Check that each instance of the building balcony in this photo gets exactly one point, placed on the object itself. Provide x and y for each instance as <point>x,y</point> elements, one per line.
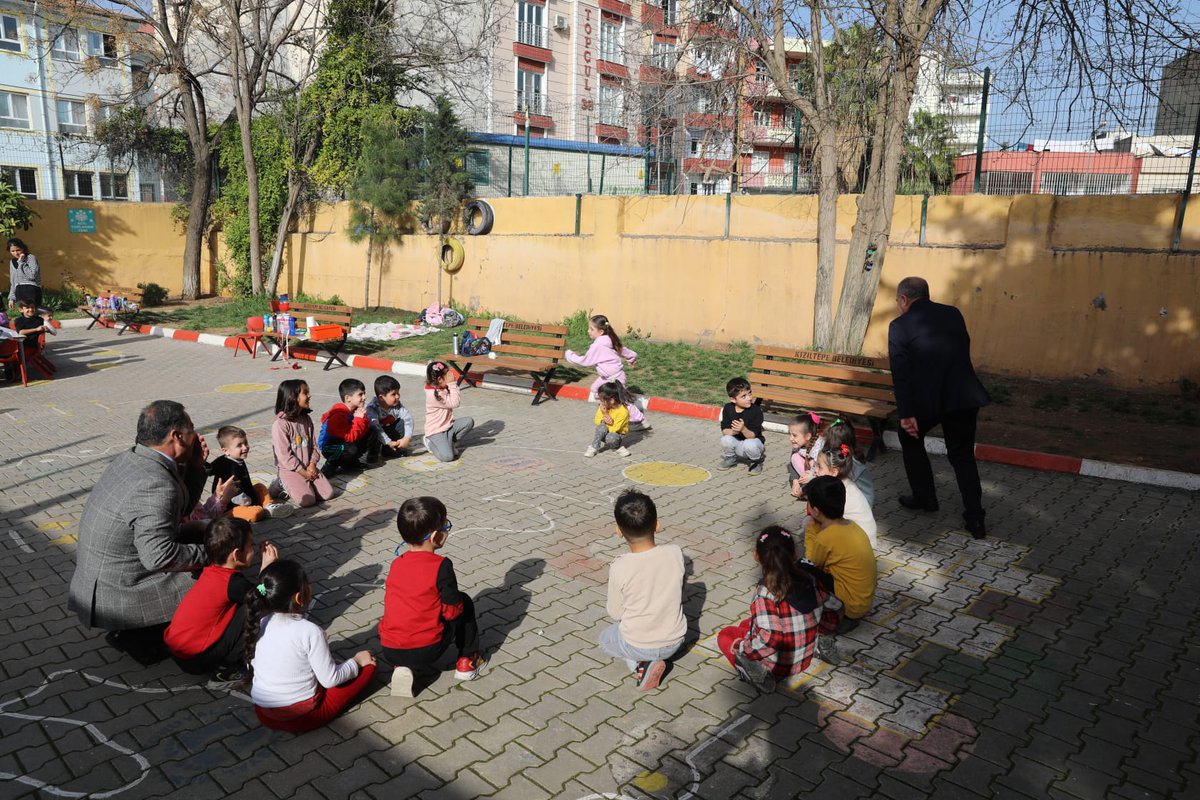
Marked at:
<point>531,34</point>
<point>770,136</point>
<point>534,102</point>
<point>615,68</point>
<point>616,7</point>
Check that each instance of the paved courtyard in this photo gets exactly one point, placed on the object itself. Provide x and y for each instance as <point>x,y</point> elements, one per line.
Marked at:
<point>1058,658</point>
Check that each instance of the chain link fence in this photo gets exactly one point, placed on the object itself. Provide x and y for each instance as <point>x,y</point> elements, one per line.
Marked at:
<point>970,131</point>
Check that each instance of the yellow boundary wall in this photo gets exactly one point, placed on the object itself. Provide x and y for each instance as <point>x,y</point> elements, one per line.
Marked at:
<point>1050,287</point>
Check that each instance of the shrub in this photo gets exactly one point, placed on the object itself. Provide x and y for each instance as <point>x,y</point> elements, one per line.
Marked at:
<point>67,298</point>
<point>152,294</point>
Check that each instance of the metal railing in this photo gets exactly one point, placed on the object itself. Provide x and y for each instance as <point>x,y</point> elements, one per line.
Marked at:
<point>531,33</point>
<point>533,102</point>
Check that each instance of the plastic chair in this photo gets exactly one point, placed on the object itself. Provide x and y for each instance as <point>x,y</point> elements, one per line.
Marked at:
<point>10,353</point>
<point>252,338</point>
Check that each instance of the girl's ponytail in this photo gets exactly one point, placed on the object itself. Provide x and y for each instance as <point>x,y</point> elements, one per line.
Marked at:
<point>777,556</point>
<point>601,322</point>
<point>840,459</point>
<point>282,580</point>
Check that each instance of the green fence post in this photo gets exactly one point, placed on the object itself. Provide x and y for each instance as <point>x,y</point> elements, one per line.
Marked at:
<point>987,84</point>
<point>924,215</point>
<point>578,210</point>
<point>603,156</point>
<point>728,203</point>
<point>510,169</point>
<point>526,183</point>
<point>1187,189</point>
<point>795,151</point>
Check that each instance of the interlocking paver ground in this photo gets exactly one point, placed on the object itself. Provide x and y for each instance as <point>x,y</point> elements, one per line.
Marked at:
<point>1057,658</point>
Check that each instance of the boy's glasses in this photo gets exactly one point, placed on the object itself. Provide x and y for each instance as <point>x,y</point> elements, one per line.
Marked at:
<point>449,526</point>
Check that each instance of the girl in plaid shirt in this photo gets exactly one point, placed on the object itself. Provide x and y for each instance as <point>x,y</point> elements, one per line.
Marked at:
<point>791,606</point>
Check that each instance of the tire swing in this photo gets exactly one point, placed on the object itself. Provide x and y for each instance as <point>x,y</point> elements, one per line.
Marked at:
<point>453,256</point>
<point>487,218</point>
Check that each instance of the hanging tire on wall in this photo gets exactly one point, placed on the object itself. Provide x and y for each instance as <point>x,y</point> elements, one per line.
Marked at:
<point>453,255</point>
<point>479,210</point>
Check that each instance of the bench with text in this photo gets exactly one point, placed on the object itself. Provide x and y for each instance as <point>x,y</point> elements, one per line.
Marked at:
<point>526,347</point>
<point>830,382</point>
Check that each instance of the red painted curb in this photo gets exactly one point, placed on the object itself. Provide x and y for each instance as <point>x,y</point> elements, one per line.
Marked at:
<point>569,392</point>
<point>1028,458</point>
<point>370,362</point>
<point>683,408</point>
<point>187,336</point>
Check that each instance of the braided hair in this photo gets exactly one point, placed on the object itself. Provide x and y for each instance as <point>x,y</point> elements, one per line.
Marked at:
<point>278,584</point>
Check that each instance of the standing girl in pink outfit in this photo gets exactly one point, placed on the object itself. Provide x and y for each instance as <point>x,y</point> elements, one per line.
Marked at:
<point>442,430</point>
<point>605,355</point>
<point>295,447</point>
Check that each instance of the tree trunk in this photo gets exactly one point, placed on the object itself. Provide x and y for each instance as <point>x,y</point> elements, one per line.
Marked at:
<point>193,246</point>
<point>370,254</point>
<point>256,248</point>
<point>827,198</point>
<point>873,226</point>
<point>296,182</point>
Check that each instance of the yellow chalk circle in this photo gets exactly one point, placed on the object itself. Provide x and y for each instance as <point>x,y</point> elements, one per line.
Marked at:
<point>427,463</point>
<point>55,525</point>
<point>651,781</point>
<point>117,353</point>
<point>70,538</point>
<point>104,365</point>
<point>243,388</point>
<point>666,473</point>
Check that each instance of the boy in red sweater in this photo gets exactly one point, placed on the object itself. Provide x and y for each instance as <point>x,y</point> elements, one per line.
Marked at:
<point>345,429</point>
<point>423,610</point>
<point>208,631</point>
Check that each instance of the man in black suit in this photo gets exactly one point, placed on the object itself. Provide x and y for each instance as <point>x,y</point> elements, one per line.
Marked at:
<point>930,354</point>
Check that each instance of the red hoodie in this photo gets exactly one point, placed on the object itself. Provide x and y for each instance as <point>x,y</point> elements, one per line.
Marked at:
<point>340,425</point>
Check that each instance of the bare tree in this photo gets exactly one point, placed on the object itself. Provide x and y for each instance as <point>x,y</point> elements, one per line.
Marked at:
<point>262,44</point>
<point>1103,44</point>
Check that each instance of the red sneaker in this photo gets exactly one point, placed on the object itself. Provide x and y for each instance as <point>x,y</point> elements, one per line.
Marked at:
<point>467,669</point>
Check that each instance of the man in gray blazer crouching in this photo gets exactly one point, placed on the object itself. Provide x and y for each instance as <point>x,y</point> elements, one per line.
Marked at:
<point>134,557</point>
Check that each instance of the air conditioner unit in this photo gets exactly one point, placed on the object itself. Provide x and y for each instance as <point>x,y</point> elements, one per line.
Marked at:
<point>560,22</point>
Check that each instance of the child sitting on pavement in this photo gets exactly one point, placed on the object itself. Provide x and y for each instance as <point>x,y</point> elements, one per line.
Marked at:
<point>442,430</point>
<point>840,548</point>
<point>611,421</point>
<point>344,429</point>
<point>742,428</point>
<point>296,454</point>
<point>838,463</point>
<point>791,607</point>
<point>391,423</point>
<point>208,631</point>
<point>251,501</point>
<point>840,432</point>
<point>645,594</point>
<point>807,442</point>
<point>423,609</point>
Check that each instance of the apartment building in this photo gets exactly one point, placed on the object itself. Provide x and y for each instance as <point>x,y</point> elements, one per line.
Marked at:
<point>952,92</point>
<point>57,82</point>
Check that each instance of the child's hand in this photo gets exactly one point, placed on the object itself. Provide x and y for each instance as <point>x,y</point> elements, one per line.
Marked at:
<point>269,554</point>
<point>607,418</point>
<point>399,444</point>
<point>738,426</point>
<point>226,489</point>
<point>796,488</point>
<point>360,412</point>
<point>805,478</point>
<point>364,657</point>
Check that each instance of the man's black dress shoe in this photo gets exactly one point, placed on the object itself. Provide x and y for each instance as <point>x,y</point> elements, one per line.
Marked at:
<point>976,529</point>
<point>908,501</point>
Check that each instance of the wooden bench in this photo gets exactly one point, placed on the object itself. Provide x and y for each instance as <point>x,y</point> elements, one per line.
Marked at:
<point>328,340</point>
<point>128,313</point>
<point>526,347</point>
<point>829,382</point>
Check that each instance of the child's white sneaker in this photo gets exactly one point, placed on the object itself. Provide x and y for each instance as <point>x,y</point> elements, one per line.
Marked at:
<point>279,510</point>
<point>402,682</point>
<point>590,452</point>
<point>622,452</point>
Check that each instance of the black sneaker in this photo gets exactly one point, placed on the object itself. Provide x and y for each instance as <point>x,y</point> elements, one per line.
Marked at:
<point>756,467</point>
<point>227,678</point>
<point>651,674</point>
<point>754,672</point>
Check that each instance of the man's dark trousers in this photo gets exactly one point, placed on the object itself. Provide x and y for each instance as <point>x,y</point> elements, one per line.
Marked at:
<point>958,427</point>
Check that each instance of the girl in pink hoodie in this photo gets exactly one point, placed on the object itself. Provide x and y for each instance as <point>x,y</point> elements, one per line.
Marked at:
<point>442,430</point>
<point>295,447</point>
<point>605,355</point>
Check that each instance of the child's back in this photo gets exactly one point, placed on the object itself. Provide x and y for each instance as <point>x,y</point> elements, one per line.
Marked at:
<point>842,549</point>
<point>291,658</point>
<point>645,592</point>
<point>205,611</point>
<point>413,607</point>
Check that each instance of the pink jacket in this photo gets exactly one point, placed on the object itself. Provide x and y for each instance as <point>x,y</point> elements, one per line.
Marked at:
<point>439,411</point>
<point>294,442</point>
<point>603,357</point>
